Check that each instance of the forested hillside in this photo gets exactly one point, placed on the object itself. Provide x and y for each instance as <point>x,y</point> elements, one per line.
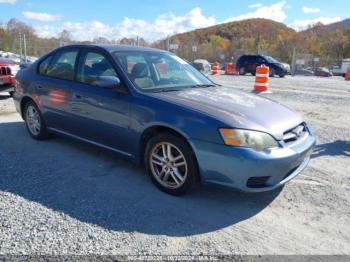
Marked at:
<point>224,42</point>
<point>328,43</point>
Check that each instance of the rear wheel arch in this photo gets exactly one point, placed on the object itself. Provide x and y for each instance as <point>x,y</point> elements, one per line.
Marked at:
<point>23,103</point>
<point>157,129</point>
<point>34,121</point>
<point>242,70</point>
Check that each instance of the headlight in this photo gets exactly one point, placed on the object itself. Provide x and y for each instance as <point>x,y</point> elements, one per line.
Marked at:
<point>14,69</point>
<point>247,138</point>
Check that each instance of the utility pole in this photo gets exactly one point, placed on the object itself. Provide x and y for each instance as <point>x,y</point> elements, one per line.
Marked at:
<point>25,48</point>
<point>20,47</point>
<point>294,61</point>
<point>168,43</point>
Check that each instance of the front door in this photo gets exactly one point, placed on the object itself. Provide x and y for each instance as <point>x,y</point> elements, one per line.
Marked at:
<point>102,114</point>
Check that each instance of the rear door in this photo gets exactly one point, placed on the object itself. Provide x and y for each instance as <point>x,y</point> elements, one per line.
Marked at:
<point>52,90</point>
<point>102,115</point>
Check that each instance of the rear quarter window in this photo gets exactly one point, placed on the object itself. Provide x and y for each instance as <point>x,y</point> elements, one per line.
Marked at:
<point>43,66</point>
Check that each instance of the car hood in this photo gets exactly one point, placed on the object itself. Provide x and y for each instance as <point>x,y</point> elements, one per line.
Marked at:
<point>236,108</point>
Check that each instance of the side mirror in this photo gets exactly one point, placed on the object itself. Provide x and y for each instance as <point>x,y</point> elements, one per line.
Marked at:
<point>109,82</point>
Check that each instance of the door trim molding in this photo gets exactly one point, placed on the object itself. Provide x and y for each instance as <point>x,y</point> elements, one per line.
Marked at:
<point>55,130</point>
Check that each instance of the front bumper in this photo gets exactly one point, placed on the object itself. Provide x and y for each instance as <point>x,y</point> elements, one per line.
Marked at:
<point>251,171</point>
<point>7,83</point>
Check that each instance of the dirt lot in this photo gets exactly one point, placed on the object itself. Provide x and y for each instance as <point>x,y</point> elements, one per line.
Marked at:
<point>64,197</point>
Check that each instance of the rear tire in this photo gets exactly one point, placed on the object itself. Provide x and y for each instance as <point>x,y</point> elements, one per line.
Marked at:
<point>34,121</point>
<point>171,164</point>
<point>242,71</point>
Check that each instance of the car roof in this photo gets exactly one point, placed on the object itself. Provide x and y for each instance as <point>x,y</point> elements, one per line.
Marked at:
<point>113,48</point>
<point>201,61</point>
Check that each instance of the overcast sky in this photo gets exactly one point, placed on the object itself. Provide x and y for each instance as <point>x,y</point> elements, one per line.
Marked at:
<point>154,19</point>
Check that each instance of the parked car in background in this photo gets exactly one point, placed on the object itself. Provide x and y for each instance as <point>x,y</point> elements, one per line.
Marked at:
<point>340,70</point>
<point>248,64</point>
<point>304,72</point>
<point>14,57</point>
<point>154,108</point>
<point>222,66</point>
<point>31,59</point>
<point>287,68</point>
<point>202,65</point>
<point>8,70</point>
<point>323,71</point>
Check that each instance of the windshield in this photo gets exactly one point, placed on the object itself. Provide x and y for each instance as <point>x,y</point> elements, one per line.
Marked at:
<point>159,71</point>
<point>270,59</point>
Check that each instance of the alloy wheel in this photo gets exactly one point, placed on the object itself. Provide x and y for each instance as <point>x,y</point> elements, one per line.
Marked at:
<point>33,120</point>
<point>168,165</point>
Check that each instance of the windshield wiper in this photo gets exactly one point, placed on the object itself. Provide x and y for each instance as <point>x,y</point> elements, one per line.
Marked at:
<point>202,85</point>
<point>166,90</point>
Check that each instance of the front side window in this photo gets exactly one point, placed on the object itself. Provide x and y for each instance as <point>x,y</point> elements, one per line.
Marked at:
<point>63,65</point>
<point>260,59</point>
<point>93,66</point>
<point>152,71</point>
<point>270,59</point>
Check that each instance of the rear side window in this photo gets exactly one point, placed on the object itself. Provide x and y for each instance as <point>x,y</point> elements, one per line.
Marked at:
<point>43,66</point>
<point>63,65</point>
<point>245,59</point>
<point>252,59</point>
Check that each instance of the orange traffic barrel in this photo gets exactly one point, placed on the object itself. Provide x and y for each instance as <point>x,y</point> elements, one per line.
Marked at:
<point>347,75</point>
<point>215,69</point>
<point>262,79</point>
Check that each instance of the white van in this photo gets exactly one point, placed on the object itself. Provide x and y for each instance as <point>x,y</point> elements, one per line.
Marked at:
<point>341,70</point>
<point>202,65</point>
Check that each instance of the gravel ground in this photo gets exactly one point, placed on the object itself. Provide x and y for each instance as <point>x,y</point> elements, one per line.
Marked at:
<point>63,197</point>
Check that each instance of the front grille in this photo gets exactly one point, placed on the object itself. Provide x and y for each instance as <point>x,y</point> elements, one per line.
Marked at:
<point>257,181</point>
<point>295,134</point>
<point>5,70</point>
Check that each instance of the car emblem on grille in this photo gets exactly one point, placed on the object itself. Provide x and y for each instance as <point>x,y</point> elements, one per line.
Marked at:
<point>298,130</point>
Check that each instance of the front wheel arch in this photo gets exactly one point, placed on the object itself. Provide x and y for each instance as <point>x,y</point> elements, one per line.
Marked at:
<point>157,129</point>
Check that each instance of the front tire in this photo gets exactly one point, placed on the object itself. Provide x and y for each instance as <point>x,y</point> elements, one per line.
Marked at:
<point>171,163</point>
<point>35,122</point>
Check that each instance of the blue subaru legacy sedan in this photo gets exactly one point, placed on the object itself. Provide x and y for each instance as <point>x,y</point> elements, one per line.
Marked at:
<point>153,107</point>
